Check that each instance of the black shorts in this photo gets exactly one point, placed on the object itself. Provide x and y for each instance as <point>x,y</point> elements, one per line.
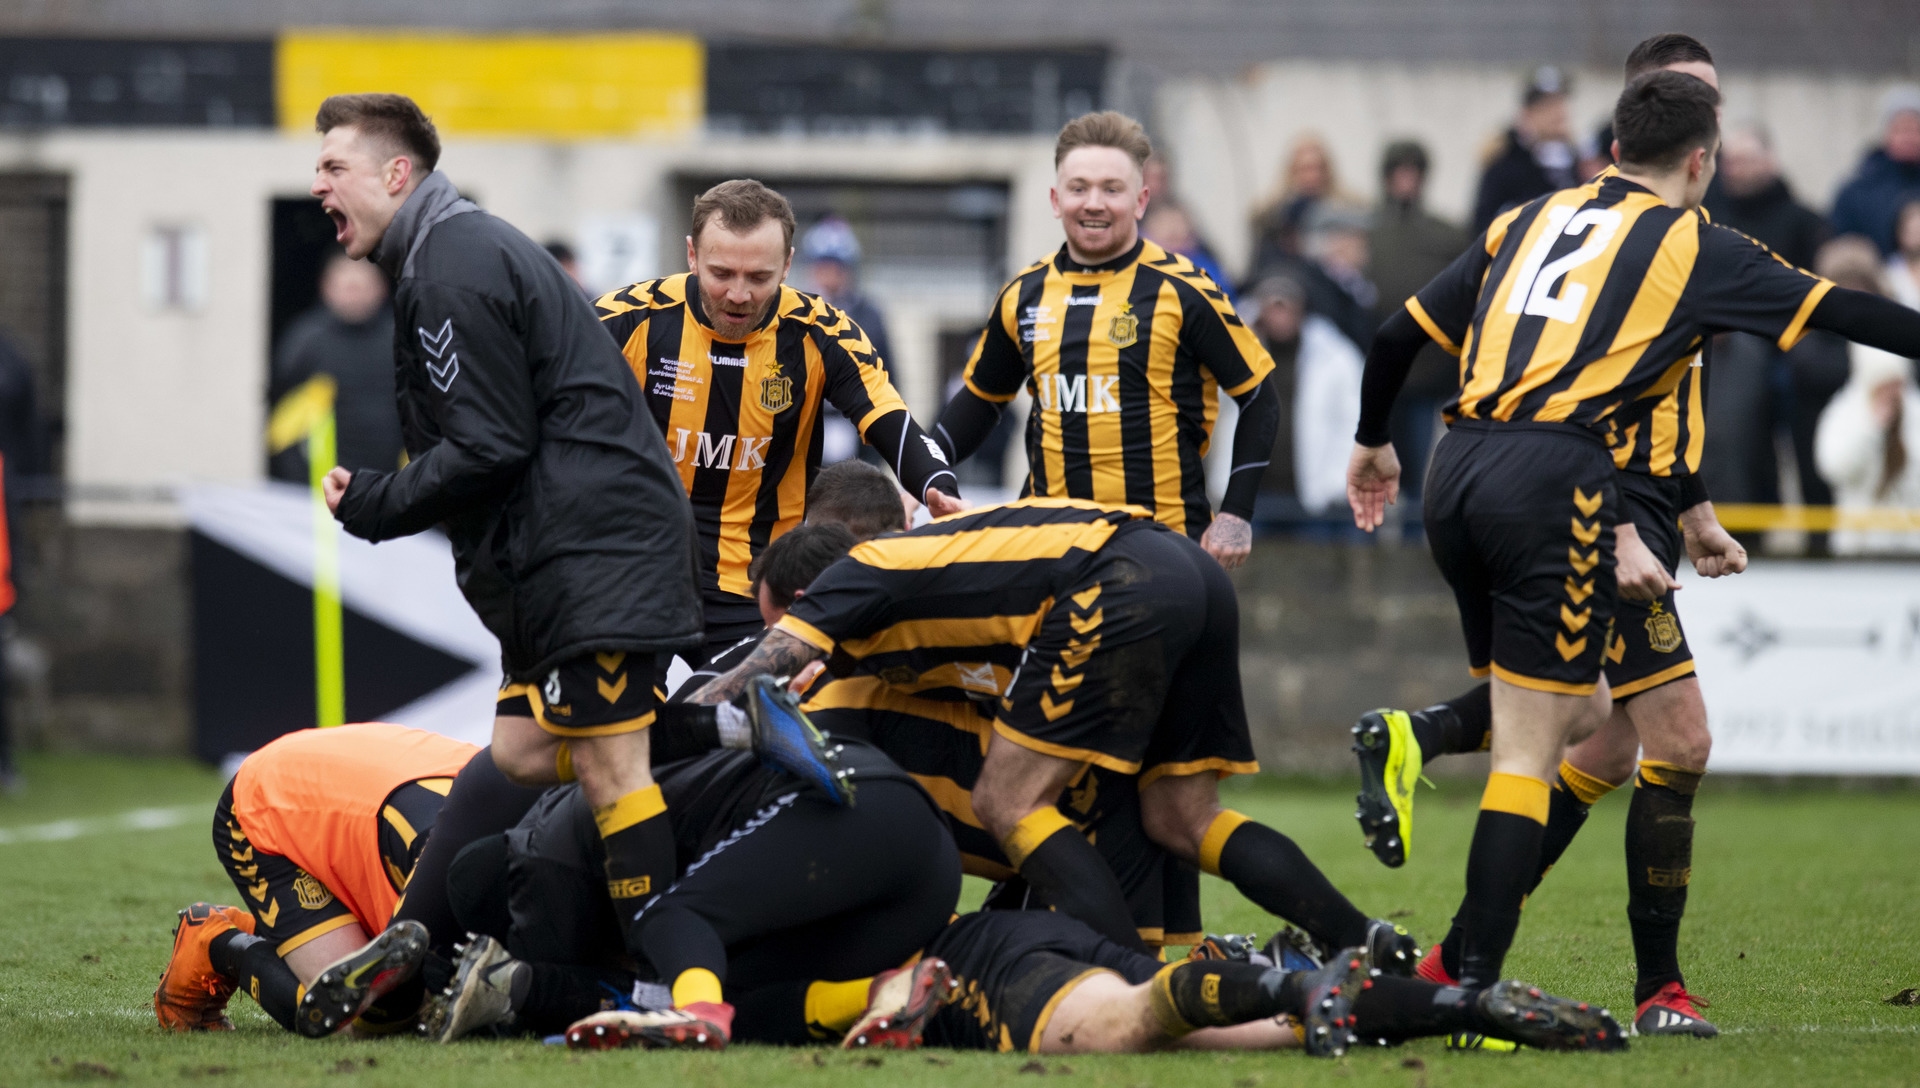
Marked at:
<point>1520,518</point>
<point>290,906</point>
<point>1014,967</point>
<point>942,745</point>
<point>595,695</point>
<point>1137,666</point>
<point>730,619</point>
<point>1649,647</point>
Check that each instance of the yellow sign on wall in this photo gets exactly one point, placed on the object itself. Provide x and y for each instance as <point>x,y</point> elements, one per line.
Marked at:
<point>571,86</point>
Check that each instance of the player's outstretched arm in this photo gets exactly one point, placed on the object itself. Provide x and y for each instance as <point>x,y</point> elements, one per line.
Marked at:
<point>1714,551</point>
<point>779,654</point>
<point>1869,319</point>
<point>1373,472</point>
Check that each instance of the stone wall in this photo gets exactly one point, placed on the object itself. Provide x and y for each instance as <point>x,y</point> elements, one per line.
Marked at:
<point>101,652</point>
<point>1329,632</point>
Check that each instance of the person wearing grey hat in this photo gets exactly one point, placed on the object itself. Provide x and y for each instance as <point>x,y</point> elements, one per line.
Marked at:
<point>1888,176</point>
<point>1537,155</point>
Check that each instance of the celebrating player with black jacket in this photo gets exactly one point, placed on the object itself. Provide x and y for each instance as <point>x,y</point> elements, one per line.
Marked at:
<point>531,447</point>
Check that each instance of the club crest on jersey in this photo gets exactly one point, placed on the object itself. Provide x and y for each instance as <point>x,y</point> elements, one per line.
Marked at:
<point>310,892</point>
<point>776,390</point>
<point>1663,630</point>
<point>1124,329</point>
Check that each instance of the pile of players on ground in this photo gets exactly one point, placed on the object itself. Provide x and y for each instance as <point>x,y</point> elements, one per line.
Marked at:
<point>813,881</point>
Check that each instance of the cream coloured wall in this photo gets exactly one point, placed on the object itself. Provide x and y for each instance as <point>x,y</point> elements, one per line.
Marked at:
<point>159,397</point>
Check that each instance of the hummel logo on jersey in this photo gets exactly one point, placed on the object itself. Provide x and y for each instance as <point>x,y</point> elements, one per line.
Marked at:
<point>1074,392</point>
<point>933,449</point>
<point>711,452</point>
<point>1083,300</point>
<point>443,366</point>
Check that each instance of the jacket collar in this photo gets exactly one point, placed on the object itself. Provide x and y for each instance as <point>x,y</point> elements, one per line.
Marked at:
<point>432,202</point>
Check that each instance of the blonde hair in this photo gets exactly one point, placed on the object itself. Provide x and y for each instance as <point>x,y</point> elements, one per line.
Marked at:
<point>1108,128</point>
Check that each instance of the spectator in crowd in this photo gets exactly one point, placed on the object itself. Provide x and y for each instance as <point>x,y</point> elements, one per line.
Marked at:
<point>1307,179</point>
<point>1888,176</point>
<point>1335,270</point>
<point>569,262</point>
<point>1317,372</point>
<point>1535,157</point>
<point>1754,199</point>
<point>1869,449</point>
<point>1758,390</point>
<point>348,337</point>
<point>1741,464</point>
<point>1903,268</point>
<point>1410,246</point>
<point>830,257</point>
<point>1168,226</point>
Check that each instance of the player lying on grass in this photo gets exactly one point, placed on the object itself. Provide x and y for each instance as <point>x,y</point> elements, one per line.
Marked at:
<point>774,884</point>
<point>1090,635</point>
<point>1044,983</point>
<point>319,831</point>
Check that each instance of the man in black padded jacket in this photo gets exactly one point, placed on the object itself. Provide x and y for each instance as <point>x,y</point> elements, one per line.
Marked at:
<point>532,449</point>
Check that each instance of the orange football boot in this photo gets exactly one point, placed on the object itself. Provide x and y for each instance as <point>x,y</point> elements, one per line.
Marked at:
<point>192,996</point>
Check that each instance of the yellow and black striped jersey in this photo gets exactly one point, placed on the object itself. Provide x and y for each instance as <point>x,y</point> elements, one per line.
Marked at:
<point>742,420</point>
<point>1123,361</point>
<point>1588,306</point>
<point>946,611</point>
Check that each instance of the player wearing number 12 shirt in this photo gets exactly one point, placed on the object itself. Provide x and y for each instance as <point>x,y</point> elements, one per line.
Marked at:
<point>1574,317</point>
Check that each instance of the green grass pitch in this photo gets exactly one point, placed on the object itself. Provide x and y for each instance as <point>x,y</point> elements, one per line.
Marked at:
<point>1803,920</point>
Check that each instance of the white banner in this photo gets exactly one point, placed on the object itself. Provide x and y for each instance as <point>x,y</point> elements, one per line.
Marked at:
<point>1809,668</point>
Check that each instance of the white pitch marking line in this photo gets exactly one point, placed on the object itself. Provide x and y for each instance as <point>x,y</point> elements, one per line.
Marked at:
<point>139,819</point>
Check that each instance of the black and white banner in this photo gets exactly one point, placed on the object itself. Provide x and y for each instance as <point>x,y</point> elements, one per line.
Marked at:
<point>1809,668</point>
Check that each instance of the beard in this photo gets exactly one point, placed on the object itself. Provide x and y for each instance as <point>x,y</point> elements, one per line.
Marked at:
<point>725,324</point>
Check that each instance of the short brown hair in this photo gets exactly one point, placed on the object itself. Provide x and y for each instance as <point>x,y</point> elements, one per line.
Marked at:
<point>790,564</point>
<point>392,120</point>
<point>1664,49</point>
<point>857,495</point>
<point>742,204</point>
<point>1662,116</point>
<point>1108,128</point>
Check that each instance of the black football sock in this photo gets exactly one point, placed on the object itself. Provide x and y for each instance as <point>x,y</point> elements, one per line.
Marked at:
<point>1058,861</point>
<point>1461,724</point>
<point>1397,1009</point>
<point>1276,874</point>
<point>640,852</point>
<point>1659,868</point>
<point>1215,994</point>
<point>685,730</point>
<point>481,802</point>
<point>1574,793</point>
<point>775,1015</point>
<point>258,969</point>
<point>548,997</point>
<point>678,942</point>
<point>1502,864</point>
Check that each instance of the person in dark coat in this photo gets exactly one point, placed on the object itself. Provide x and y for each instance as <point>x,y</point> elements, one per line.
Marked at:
<point>1756,389</point>
<point>1888,176</point>
<point>349,337</point>
<point>1536,157</point>
<point>1410,247</point>
<point>533,450</point>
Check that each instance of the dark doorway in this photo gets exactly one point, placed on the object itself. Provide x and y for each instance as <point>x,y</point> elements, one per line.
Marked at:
<point>33,318</point>
<point>302,242</point>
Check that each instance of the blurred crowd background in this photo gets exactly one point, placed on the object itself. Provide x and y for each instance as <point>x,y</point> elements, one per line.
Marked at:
<point>166,284</point>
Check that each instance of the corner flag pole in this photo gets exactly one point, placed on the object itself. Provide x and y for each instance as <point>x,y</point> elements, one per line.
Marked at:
<point>306,414</point>
<point>329,644</point>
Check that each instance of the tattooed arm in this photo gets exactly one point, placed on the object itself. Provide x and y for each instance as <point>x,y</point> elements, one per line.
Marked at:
<point>779,654</point>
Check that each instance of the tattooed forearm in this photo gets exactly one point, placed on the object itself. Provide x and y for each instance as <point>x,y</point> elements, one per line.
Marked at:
<point>779,654</point>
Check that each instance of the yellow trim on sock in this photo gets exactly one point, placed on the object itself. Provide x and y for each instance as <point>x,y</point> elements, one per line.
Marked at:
<point>635,808</point>
<point>1519,794</point>
<point>563,762</point>
<point>1215,840</point>
<point>697,984</point>
<point>1583,785</point>
<point>1684,780</point>
<point>1160,1001</point>
<point>299,993</point>
<point>835,1006</point>
<point>1037,827</point>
